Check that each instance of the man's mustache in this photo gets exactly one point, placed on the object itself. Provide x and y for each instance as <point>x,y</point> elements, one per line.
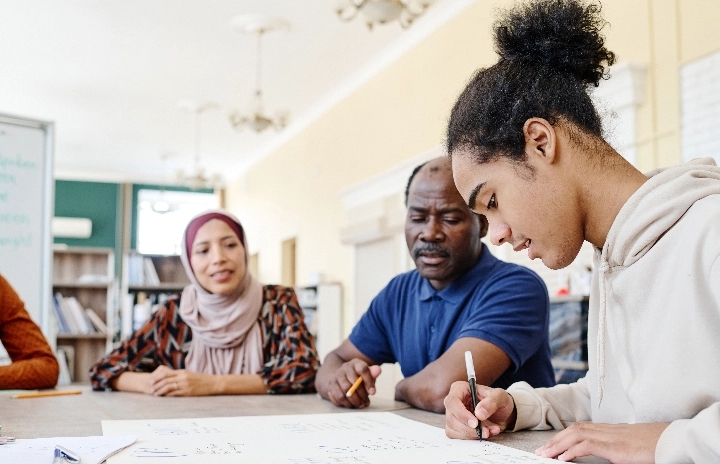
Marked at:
<point>431,249</point>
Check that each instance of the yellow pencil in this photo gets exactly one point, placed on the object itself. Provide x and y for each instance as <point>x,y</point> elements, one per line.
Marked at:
<point>39,394</point>
<point>354,387</point>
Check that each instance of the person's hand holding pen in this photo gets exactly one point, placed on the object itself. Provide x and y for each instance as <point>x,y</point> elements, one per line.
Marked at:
<point>344,379</point>
<point>495,410</point>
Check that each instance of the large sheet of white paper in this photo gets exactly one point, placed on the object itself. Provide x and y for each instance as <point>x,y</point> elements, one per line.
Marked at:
<point>91,450</point>
<point>361,437</point>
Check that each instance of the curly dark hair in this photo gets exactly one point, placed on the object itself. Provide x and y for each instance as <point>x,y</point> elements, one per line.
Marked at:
<point>551,52</point>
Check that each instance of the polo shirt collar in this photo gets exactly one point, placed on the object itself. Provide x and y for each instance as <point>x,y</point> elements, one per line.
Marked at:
<point>459,289</point>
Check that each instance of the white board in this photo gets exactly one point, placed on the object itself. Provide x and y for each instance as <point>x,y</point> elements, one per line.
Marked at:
<point>26,209</point>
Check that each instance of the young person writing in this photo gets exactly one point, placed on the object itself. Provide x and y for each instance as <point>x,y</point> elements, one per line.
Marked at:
<point>528,153</point>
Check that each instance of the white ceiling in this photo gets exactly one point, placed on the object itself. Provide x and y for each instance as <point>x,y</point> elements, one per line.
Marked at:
<point>110,73</point>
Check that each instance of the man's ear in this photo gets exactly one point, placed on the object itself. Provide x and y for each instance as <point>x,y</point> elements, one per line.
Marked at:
<point>540,140</point>
<point>484,226</point>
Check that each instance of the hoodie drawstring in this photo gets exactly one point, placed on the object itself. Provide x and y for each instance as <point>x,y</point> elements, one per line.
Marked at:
<point>602,315</point>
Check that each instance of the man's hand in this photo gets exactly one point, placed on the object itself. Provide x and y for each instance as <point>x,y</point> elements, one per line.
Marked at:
<point>495,409</point>
<point>165,381</point>
<point>345,376</point>
<point>618,443</point>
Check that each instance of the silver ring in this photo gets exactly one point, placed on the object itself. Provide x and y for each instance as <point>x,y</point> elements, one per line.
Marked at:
<point>175,384</point>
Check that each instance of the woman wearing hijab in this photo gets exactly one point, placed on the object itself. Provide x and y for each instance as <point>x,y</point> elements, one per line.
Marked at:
<point>228,333</point>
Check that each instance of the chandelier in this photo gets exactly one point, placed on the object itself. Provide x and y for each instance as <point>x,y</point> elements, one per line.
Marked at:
<point>258,120</point>
<point>382,11</point>
<point>196,178</point>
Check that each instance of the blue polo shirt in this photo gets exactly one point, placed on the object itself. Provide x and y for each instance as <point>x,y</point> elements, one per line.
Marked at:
<point>505,304</point>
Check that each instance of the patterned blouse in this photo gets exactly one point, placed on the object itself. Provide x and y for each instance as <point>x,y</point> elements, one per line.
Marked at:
<point>290,358</point>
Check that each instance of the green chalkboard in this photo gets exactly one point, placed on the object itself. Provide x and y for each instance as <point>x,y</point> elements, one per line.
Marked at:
<point>97,201</point>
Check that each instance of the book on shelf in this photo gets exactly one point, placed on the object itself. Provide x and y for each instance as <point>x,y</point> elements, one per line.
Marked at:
<point>98,279</point>
<point>74,319</point>
<point>69,355</point>
<point>151,275</point>
<point>142,271</point>
<point>134,270</point>
<point>64,378</point>
<point>78,313</point>
<point>66,314</point>
<point>126,315</point>
<point>100,326</point>
<point>63,326</point>
<point>146,306</point>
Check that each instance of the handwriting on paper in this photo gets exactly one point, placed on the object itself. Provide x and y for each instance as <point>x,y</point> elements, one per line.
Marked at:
<point>174,429</point>
<point>337,438</point>
<point>336,424</point>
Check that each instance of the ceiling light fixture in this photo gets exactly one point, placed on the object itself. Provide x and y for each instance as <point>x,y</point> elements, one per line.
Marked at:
<point>257,120</point>
<point>382,11</point>
<point>197,179</point>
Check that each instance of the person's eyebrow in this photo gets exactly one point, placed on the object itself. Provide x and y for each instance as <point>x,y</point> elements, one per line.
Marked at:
<point>452,210</point>
<point>205,242</point>
<point>473,196</point>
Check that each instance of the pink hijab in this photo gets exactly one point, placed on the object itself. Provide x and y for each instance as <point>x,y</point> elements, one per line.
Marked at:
<point>226,333</point>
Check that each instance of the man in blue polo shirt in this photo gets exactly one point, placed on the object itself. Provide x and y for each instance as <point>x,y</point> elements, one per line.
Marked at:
<point>460,298</point>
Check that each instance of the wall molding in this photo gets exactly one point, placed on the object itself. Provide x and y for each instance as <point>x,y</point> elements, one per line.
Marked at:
<point>386,183</point>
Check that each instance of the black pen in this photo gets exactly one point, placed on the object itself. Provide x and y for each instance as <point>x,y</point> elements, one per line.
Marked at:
<point>471,380</point>
<point>65,455</point>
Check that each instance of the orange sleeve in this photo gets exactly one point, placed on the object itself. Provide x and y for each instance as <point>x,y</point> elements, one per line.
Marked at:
<point>33,363</point>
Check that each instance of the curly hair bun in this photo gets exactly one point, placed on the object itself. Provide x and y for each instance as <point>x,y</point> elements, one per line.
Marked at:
<point>560,35</point>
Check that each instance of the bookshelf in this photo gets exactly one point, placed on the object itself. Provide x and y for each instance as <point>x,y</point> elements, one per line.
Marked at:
<point>84,306</point>
<point>322,306</point>
<point>568,337</point>
<point>147,281</point>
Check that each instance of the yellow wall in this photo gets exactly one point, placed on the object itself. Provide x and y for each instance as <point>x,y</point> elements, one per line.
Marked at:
<point>402,112</point>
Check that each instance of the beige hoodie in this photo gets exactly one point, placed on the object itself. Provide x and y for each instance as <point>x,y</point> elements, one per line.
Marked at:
<point>653,323</point>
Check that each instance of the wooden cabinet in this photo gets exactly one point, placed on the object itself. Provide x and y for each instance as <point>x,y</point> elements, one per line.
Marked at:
<point>84,306</point>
